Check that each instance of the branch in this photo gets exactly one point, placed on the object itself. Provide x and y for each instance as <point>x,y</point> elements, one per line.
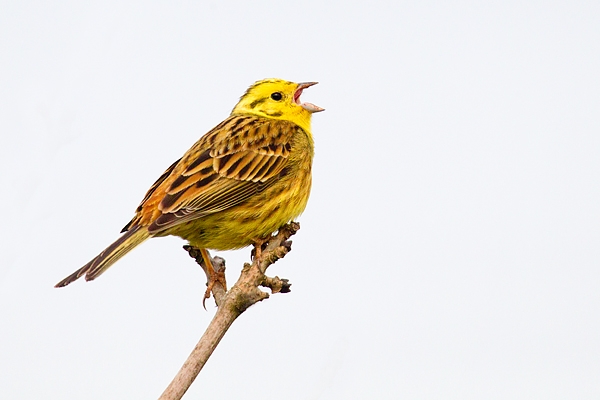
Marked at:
<point>233,303</point>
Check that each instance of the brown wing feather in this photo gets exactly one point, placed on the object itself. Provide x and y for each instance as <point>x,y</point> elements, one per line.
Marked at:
<point>242,156</point>
<point>149,193</point>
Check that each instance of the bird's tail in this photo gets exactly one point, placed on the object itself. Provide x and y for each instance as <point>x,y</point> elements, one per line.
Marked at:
<point>109,256</point>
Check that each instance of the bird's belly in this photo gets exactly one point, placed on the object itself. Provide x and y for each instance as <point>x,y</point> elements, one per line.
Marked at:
<point>256,218</point>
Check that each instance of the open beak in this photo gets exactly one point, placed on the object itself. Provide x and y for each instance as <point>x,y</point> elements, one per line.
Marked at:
<point>307,106</point>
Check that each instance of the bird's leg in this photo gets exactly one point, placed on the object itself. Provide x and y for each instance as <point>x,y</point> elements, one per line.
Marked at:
<point>213,276</point>
<point>259,245</point>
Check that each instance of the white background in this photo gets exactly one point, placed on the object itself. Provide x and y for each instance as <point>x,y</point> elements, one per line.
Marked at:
<point>451,246</point>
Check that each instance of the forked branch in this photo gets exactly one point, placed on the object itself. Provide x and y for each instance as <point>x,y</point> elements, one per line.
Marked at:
<point>231,304</point>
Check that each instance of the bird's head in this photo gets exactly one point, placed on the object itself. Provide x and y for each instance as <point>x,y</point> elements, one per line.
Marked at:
<point>278,99</point>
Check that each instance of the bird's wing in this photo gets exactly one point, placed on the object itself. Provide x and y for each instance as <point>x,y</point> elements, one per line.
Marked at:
<point>239,158</point>
<point>149,193</point>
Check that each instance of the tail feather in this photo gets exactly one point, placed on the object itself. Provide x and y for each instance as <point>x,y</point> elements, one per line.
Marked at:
<point>109,256</point>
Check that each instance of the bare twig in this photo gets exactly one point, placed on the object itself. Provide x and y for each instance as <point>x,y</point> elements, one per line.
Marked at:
<point>233,303</point>
<point>277,285</point>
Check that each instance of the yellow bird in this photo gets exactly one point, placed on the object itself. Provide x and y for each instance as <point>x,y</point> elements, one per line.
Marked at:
<point>239,183</point>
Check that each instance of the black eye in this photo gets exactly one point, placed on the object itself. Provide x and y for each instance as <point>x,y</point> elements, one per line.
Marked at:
<point>276,96</point>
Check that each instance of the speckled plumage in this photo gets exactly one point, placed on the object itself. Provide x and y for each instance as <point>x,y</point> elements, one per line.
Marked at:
<point>240,182</point>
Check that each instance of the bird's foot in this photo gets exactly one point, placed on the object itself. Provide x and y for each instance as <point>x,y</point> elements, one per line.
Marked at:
<point>259,246</point>
<point>214,277</point>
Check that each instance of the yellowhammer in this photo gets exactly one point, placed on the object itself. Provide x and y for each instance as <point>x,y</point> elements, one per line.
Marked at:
<point>239,183</point>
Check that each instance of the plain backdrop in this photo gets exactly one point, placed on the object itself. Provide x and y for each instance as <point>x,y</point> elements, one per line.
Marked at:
<point>450,248</point>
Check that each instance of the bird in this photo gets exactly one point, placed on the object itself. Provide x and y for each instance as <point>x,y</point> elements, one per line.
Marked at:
<point>240,182</point>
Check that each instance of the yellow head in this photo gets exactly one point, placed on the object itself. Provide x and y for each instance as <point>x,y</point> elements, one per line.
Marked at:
<point>277,99</point>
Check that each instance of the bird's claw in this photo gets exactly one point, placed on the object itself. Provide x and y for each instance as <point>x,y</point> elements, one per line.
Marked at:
<point>215,277</point>
<point>259,246</point>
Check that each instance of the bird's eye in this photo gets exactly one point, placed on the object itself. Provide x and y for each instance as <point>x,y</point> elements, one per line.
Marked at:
<point>276,96</point>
